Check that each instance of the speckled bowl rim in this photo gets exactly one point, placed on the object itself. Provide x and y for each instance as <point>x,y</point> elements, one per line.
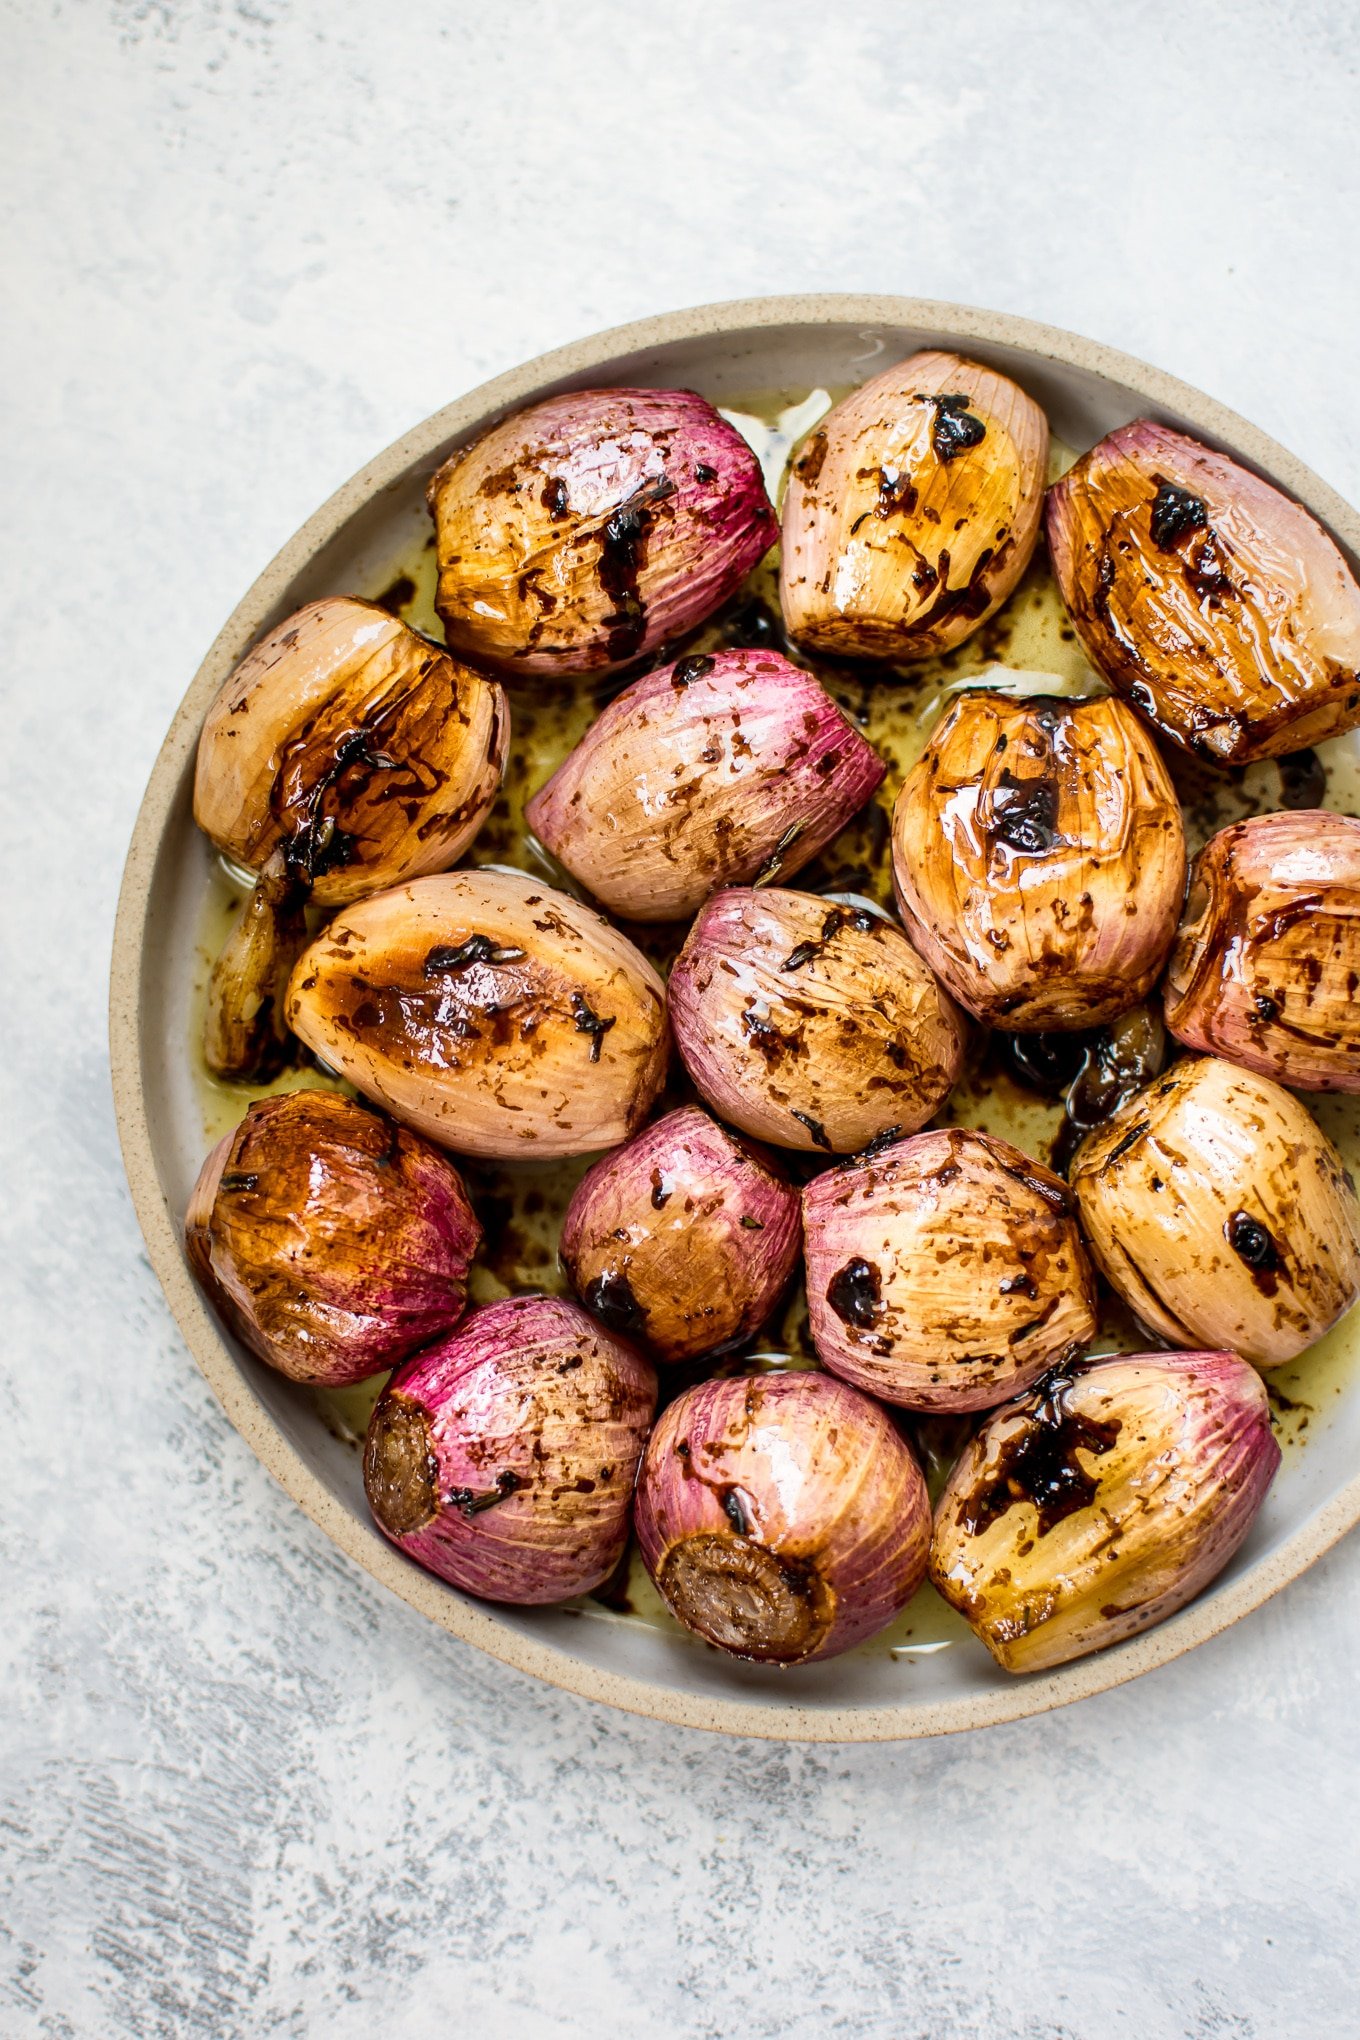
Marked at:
<point>778,1714</point>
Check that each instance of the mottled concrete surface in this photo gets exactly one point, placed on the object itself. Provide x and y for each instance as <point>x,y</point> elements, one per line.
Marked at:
<point>241,1791</point>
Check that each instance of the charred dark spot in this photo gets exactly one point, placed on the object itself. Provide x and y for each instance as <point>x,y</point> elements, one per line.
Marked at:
<point>751,624</point>
<point>734,1508</point>
<point>504,482</point>
<point>766,1039</point>
<point>591,1023</point>
<point>873,1147</point>
<point>319,847</point>
<point>1054,1193</point>
<point>1021,1285</point>
<point>554,498</point>
<point>897,495</point>
<point>697,667</point>
<point>1175,512</point>
<point>1024,814</point>
<point>838,918</point>
<point>955,428</point>
<point>471,1502</point>
<point>855,1293</point>
<point>1205,571</point>
<point>808,465</point>
<point>610,1298</point>
<point>1047,1063</point>
<point>1135,1133</point>
<point>1100,605</point>
<point>815,1129</point>
<point>396,595</point>
<point>622,544</point>
<point>312,841</point>
<point>623,551</point>
<point>774,863</point>
<point>446,961</point>
<point>1303,780</point>
<point>1038,1463</point>
<point>1254,1244</point>
<point>972,598</point>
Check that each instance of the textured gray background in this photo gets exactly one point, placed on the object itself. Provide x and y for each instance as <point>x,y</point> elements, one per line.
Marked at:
<point>241,1791</point>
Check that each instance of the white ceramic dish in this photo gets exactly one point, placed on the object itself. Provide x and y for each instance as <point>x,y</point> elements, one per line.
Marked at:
<point>368,529</point>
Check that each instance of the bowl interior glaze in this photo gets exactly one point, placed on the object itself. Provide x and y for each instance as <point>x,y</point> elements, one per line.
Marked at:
<point>366,530</point>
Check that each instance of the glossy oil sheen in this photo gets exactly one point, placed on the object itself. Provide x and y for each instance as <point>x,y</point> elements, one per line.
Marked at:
<point>521,1206</point>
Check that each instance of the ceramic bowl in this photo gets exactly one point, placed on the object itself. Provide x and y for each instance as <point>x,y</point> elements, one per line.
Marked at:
<point>727,351</point>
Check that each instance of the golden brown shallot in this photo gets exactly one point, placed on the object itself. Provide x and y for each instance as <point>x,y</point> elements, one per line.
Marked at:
<point>912,510</point>
<point>495,1015</point>
<point>1214,603</point>
<point>364,752</point>
<point>811,1023</point>
<point>576,536</point>
<point>345,753</point>
<point>332,1242</point>
<point>1266,966</point>
<point>1222,1214</point>
<point>1039,858</point>
<point>945,1272</point>
<point>1101,1502</point>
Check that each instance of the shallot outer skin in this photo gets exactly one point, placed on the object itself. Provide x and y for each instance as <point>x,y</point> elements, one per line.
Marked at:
<point>1266,965</point>
<point>497,1016</point>
<point>811,1024</point>
<point>700,775</point>
<point>1101,1502</point>
<point>332,1242</point>
<point>504,1458</point>
<point>781,1516</point>
<point>683,1239</point>
<point>911,514</point>
<point>1218,606</point>
<point>1039,860</point>
<point>576,535</point>
<point>364,751</point>
<point>1221,1213</point>
<point>945,1272</point>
